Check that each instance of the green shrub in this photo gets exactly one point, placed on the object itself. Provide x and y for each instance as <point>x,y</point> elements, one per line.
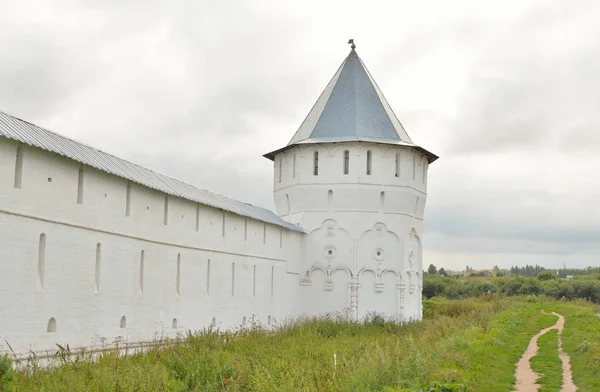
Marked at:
<point>547,275</point>
<point>5,370</point>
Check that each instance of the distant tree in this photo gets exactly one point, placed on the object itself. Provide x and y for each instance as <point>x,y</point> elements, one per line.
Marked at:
<point>500,274</point>
<point>432,270</point>
<point>496,268</point>
<point>442,272</point>
<point>547,275</point>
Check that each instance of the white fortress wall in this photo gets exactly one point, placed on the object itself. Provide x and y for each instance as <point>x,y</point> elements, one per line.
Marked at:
<point>86,255</point>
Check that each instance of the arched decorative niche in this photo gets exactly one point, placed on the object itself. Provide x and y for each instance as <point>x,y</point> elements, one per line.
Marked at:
<point>51,325</point>
<point>123,323</point>
<point>174,323</point>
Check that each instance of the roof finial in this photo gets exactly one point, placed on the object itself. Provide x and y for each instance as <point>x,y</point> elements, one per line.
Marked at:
<point>351,42</point>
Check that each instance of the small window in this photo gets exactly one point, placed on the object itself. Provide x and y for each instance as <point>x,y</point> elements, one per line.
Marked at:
<point>397,164</point>
<point>51,325</point>
<point>346,162</point>
<point>174,323</point>
<point>213,323</point>
<point>123,323</point>
<point>316,164</point>
<point>369,162</point>
<point>414,167</point>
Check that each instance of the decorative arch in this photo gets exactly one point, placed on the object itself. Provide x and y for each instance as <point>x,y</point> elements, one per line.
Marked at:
<point>51,325</point>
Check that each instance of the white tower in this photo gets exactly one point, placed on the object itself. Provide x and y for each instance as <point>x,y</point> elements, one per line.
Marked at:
<point>352,178</point>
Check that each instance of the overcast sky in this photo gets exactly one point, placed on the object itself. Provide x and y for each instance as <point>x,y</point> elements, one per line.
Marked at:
<point>507,93</point>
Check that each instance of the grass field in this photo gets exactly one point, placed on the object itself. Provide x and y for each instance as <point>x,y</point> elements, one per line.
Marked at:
<point>547,363</point>
<point>462,345</point>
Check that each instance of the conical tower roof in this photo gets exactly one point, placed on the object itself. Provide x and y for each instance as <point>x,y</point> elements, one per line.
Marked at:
<point>352,108</point>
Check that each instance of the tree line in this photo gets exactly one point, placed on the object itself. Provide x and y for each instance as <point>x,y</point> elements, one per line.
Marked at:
<point>546,283</point>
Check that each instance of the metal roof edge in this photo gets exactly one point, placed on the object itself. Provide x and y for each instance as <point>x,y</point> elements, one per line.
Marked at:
<point>431,157</point>
<point>22,131</point>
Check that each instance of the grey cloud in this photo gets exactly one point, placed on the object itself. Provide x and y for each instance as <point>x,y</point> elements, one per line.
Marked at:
<point>200,90</point>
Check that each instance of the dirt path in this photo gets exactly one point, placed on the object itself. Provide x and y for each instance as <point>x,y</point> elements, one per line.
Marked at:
<point>526,377</point>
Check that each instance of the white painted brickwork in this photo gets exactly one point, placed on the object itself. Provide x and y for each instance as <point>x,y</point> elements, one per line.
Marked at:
<point>88,306</point>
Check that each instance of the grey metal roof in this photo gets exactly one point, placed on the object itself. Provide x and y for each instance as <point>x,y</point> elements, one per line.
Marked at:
<point>35,136</point>
<point>352,108</point>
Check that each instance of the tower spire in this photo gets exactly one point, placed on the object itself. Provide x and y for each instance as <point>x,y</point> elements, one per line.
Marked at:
<point>352,45</point>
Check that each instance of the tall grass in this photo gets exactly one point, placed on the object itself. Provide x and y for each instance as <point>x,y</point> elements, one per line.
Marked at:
<point>461,345</point>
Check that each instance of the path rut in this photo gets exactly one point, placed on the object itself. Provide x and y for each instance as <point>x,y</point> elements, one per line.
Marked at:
<point>526,377</point>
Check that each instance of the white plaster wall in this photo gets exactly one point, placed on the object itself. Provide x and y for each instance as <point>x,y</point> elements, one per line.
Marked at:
<point>264,283</point>
<point>374,221</point>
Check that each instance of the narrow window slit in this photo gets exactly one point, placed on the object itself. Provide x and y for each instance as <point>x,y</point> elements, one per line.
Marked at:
<point>272,280</point>
<point>208,278</point>
<point>294,166</point>
<point>232,279</point>
<point>41,260</point>
<point>223,224</point>
<point>80,186</point>
<point>346,162</point>
<point>254,281</point>
<point>128,200</point>
<point>281,238</point>
<point>19,167</point>
<point>166,218</point>
<point>280,169</point>
<point>369,162</point>
<point>142,261</point>
<point>197,217</point>
<point>316,164</point>
<point>97,268</point>
<point>178,286</point>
